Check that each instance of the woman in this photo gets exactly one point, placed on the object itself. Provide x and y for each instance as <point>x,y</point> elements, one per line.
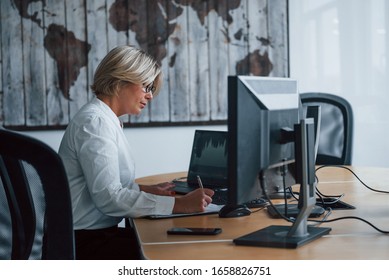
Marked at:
<point>99,165</point>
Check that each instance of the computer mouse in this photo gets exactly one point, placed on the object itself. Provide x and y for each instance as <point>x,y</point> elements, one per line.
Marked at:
<point>233,211</point>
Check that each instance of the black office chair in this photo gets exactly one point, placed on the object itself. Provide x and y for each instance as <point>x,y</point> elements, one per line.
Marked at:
<point>336,128</point>
<point>35,207</point>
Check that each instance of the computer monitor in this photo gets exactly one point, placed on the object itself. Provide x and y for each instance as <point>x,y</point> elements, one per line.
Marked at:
<point>258,108</point>
<point>268,139</point>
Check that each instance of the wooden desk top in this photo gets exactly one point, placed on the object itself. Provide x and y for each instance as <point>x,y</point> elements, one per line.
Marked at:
<point>348,239</point>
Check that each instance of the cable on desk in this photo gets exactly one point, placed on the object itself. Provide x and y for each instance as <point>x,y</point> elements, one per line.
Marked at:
<point>284,215</point>
<point>320,194</point>
<point>329,210</point>
<point>356,176</point>
<point>335,200</point>
<point>351,217</point>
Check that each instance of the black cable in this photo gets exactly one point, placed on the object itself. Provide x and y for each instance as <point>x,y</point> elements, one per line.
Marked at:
<point>340,196</point>
<point>351,217</point>
<point>284,187</point>
<point>329,210</point>
<point>319,193</point>
<point>335,199</point>
<point>293,194</point>
<point>262,184</point>
<point>356,176</point>
<point>285,217</point>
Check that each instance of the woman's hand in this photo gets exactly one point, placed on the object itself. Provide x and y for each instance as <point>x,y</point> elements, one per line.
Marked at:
<point>193,202</point>
<point>159,189</point>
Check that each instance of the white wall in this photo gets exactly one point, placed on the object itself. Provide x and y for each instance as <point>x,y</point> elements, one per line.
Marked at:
<point>342,47</point>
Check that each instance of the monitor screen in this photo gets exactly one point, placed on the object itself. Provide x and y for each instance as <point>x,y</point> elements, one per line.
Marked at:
<point>209,158</point>
<point>258,109</point>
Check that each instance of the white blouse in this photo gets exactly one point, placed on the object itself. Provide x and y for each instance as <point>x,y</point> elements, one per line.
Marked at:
<point>101,171</point>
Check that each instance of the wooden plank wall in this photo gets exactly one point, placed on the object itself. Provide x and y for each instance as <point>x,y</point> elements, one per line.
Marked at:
<point>50,49</point>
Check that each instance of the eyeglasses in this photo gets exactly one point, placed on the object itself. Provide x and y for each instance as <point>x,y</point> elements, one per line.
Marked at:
<point>149,88</point>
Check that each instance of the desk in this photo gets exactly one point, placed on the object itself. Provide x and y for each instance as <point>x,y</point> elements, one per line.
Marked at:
<point>348,239</point>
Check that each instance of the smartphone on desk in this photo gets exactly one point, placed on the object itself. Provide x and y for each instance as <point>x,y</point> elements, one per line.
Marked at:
<point>194,231</point>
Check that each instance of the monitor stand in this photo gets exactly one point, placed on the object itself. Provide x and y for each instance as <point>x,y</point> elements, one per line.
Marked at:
<point>279,237</point>
<point>299,233</point>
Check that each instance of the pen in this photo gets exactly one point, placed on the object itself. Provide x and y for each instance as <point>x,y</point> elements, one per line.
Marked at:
<point>202,187</point>
<point>199,181</point>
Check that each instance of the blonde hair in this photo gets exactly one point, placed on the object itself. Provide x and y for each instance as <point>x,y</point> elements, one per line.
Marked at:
<point>126,64</point>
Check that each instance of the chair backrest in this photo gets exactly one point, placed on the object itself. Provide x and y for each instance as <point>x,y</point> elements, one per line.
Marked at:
<point>36,215</point>
<point>336,128</point>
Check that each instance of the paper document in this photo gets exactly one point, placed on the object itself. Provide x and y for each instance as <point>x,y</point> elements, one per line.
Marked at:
<point>210,209</point>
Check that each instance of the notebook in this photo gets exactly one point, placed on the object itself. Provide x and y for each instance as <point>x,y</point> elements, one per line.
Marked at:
<point>210,209</point>
<point>208,160</point>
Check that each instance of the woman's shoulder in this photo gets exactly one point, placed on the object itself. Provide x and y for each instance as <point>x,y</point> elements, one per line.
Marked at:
<point>92,118</point>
